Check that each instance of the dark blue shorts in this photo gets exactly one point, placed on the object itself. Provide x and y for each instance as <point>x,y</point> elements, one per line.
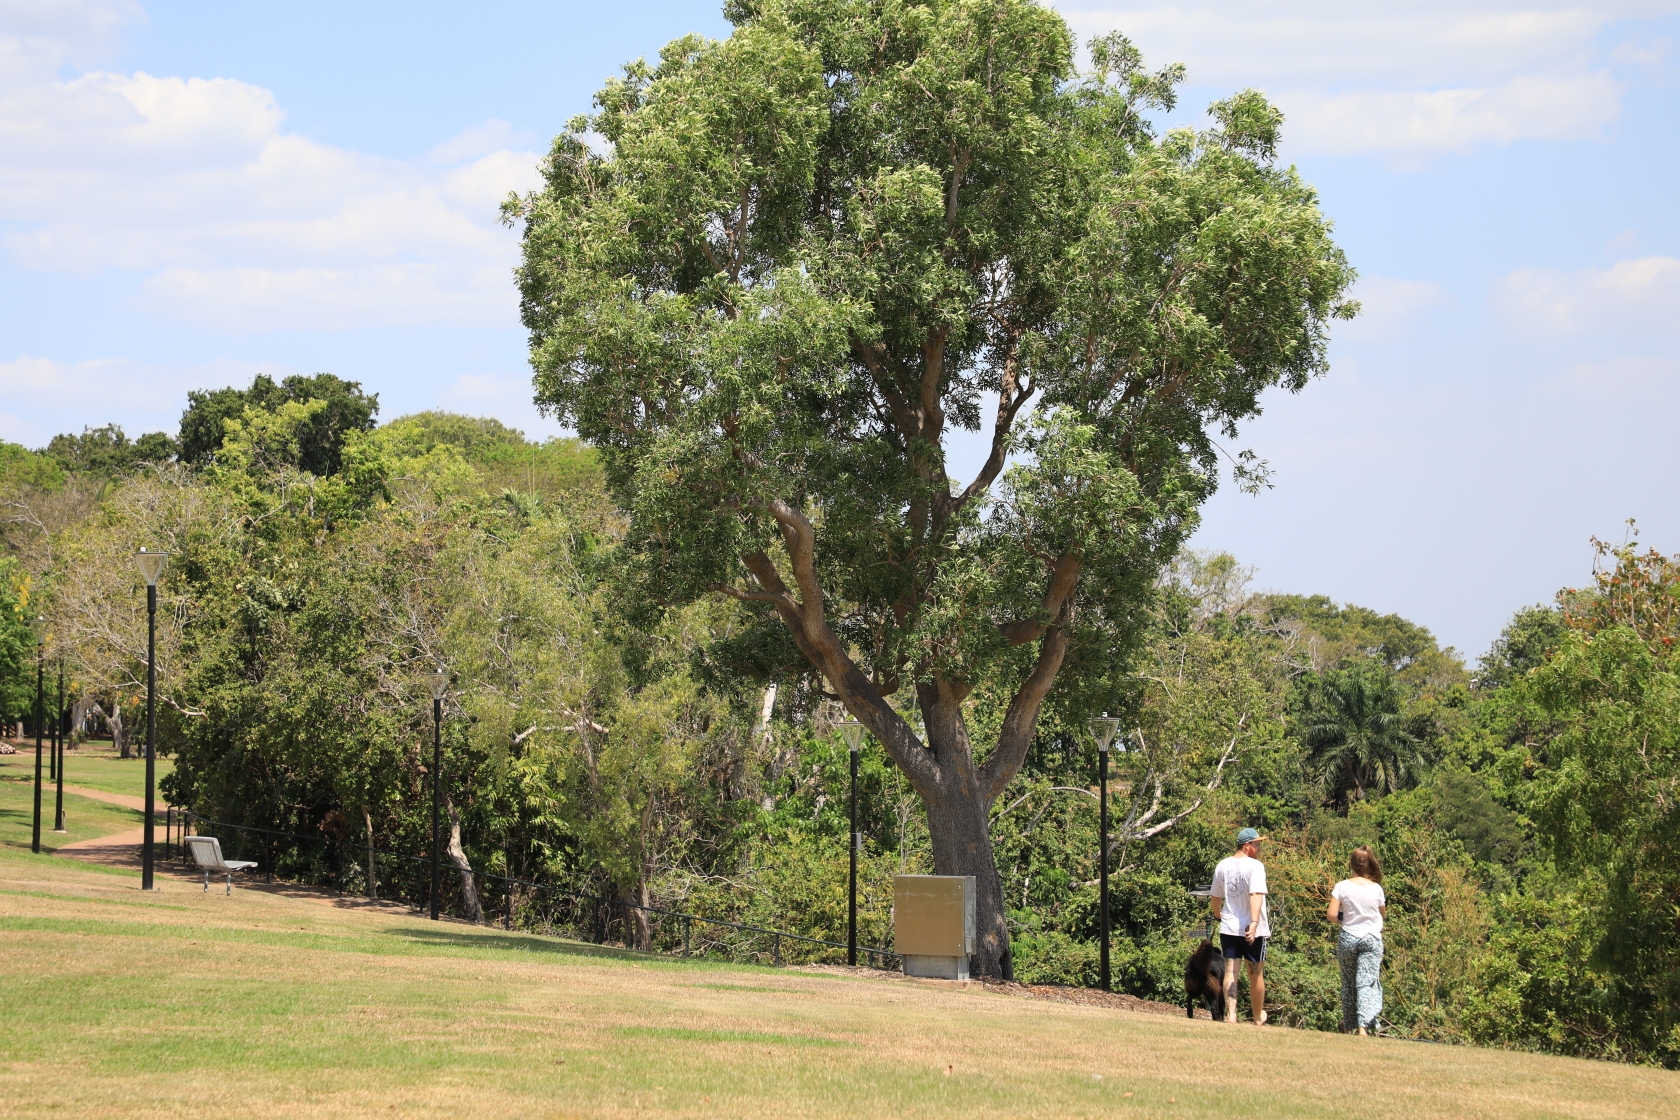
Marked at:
<point>1234,946</point>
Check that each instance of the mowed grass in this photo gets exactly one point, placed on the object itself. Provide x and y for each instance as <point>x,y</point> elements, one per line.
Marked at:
<point>93,765</point>
<point>120,1004</point>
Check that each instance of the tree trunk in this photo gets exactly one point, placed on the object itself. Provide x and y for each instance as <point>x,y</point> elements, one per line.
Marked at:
<point>957,792</point>
<point>962,845</point>
<point>469,891</point>
<point>635,919</point>
<point>372,875</point>
<point>119,733</point>
<point>959,825</point>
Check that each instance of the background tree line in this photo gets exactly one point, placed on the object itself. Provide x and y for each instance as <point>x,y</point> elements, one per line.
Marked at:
<point>1523,808</point>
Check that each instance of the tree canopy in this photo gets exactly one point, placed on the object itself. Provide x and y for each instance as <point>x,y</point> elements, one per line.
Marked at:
<point>319,444</point>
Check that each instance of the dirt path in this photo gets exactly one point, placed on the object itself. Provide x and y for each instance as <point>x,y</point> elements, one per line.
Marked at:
<point>121,849</point>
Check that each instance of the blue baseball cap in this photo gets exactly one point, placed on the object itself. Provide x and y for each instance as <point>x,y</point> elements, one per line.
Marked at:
<point>1248,836</point>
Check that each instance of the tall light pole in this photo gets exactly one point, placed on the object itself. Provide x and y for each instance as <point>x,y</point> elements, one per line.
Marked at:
<point>151,567</point>
<point>40,718</point>
<point>852,730</point>
<point>1103,728</point>
<point>58,734</point>
<point>440,684</point>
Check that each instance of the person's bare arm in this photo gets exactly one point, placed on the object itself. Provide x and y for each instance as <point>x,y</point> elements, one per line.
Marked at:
<point>1334,911</point>
<point>1218,905</point>
<point>1383,910</point>
<point>1255,902</point>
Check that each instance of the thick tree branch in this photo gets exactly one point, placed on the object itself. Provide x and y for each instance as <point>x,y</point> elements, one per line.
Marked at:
<point>1064,574</point>
<point>1010,400</point>
<point>827,654</point>
<point>1019,722</point>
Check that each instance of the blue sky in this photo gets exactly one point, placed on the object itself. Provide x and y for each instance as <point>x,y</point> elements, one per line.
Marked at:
<point>191,193</point>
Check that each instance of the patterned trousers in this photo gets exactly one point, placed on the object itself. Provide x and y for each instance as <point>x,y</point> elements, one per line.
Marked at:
<point>1361,961</point>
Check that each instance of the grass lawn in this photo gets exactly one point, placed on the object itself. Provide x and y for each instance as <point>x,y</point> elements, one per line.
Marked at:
<point>94,765</point>
<point>84,818</point>
<point>119,1004</point>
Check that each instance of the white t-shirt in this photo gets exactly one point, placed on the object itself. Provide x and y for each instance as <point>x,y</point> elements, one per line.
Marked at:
<point>1234,880</point>
<point>1361,901</point>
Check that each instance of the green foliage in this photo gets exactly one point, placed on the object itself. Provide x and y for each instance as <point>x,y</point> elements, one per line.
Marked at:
<point>317,445</point>
<point>1531,635</point>
<point>108,451</point>
<point>1466,811</point>
<point>1606,805</point>
<point>1537,987</point>
<point>1352,722</point>
<point>17,644</point>
<point>22,469</point>
<point>509,462</point>
<point>1334,635</point>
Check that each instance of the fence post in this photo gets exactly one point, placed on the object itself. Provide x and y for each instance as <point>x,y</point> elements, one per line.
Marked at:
<point>268,844</point>
<point>688,930</point>
<point>776,953</point>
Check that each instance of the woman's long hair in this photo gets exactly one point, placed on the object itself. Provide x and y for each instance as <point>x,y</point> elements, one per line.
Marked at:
<point>1364,863</point>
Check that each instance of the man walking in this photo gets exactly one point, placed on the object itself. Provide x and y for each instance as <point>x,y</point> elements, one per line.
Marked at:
<point>1239,902</point>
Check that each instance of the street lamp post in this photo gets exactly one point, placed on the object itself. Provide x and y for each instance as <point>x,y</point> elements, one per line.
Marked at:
<point>852,730</point>
<point>440,684</point>
<point>58,734</point>
<point>52,751</point>
<point>151,567</point>
<point>1103,728</point>
<point>40,718</point>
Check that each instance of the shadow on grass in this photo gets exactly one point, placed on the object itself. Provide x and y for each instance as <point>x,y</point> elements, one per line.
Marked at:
<point>515,943</point>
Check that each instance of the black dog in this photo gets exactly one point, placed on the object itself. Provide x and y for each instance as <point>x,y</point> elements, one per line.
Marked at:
<point>1203,980</point>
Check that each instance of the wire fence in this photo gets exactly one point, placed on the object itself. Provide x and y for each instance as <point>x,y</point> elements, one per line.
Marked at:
<point>513,903</point>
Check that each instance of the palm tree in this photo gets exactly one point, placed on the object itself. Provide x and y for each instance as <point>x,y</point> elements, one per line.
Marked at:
<point>1352,724</point>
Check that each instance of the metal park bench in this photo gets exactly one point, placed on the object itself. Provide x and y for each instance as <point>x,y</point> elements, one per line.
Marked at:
<point>207,853</point>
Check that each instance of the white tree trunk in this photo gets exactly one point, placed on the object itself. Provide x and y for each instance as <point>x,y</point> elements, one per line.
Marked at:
<point>469,890</point>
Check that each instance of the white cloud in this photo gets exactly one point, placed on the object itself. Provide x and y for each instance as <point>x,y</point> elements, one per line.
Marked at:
<point>1640,295</point>
<point>1410,79</point>
<point>55,396</point>
<point>232,222</point>
<point>1429,121</point>
<point>400,294</point>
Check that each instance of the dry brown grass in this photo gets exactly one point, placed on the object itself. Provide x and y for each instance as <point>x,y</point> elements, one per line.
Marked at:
<point>118,1004</point>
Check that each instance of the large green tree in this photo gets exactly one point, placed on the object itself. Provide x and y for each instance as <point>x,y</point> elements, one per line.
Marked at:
<point>774,275</point>
<point>319,446</point>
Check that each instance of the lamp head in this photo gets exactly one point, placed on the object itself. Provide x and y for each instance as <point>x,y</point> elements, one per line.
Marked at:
<point>1103,729</point>
<point>150,565</point>
<point>38,626</point>
<point>852,732</point>
<point>439,682</point>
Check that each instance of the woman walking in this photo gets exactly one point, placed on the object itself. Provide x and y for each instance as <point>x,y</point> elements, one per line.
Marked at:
<point>1358,903</point>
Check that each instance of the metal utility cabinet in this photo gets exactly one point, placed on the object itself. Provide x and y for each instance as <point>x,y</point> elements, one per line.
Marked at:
<point>933,924</point>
